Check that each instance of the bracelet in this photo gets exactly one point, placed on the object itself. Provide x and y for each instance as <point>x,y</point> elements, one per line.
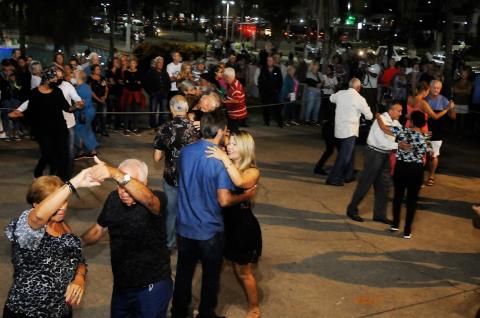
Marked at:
<point>72,188</point>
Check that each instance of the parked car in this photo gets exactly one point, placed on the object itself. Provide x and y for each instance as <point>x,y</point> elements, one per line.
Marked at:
<point>399,52</point>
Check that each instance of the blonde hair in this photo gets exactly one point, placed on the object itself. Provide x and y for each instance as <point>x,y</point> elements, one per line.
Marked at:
<point>246,149</point>
<point>42,187</point>
<point>184,67</point>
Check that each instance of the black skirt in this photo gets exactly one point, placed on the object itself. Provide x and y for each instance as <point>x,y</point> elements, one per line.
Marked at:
<point>243,234</point>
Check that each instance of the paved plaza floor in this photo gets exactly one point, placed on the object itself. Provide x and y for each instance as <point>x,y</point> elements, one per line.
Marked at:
<point>315,262</point>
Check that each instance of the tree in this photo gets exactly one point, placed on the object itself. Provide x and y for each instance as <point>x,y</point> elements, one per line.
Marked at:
<point>13,13</point>
<point>276,12</point>
<point>65,21</point>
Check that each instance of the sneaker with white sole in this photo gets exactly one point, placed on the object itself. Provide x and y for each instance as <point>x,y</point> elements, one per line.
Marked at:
<point>394,229</point>
<point>407,236</point>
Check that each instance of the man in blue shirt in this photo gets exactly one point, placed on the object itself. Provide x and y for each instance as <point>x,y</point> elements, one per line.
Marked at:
<point>438,103</point>
<point>204,188</point>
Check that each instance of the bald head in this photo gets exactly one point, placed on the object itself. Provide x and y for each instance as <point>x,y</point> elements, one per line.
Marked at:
<point>435,88</point>
<point>355,84</point>
<point>395,111</point>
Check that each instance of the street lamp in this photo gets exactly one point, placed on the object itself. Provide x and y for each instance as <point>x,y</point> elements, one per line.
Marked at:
<point>228,3</point>
<point>105,5</point>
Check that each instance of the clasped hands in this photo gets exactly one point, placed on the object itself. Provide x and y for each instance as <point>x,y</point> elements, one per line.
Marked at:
<point>93,176</point>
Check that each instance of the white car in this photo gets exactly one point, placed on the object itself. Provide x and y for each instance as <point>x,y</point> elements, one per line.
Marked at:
<point>399,52</point>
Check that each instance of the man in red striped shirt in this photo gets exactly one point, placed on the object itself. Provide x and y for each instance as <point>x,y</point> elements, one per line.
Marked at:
<point>235,101</point>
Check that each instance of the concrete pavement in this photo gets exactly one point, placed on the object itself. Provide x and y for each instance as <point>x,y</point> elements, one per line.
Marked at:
<point>315,262</point>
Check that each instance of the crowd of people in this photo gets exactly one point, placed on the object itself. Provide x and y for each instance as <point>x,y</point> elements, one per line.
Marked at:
<point>197,114</point>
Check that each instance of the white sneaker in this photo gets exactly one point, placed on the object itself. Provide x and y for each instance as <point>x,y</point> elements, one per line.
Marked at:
<point>3,135</point>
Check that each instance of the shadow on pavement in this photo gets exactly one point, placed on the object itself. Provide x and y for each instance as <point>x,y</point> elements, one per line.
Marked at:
<point>307,220</point>
<point>400,269</point>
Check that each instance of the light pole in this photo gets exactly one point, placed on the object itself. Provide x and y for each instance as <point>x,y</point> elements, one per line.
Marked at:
<point>105,5</point>
<point>228,3</point>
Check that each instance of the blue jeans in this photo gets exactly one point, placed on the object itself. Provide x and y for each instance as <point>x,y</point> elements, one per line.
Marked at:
<point>84,132</point>
<point>158,103</point>
<point>210,253</point>
<point>343,168</point>
<point>313,104</point>
<point>171,217</point>
<point>71,151</point>
<point>148,302</point>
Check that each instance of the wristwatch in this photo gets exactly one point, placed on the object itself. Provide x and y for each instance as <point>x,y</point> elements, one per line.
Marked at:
<point>126,179</point>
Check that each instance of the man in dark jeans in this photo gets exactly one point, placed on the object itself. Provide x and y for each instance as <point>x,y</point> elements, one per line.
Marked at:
<point>270,83</point>
<point>204,188</point>
<point>350,106</point>
<point>157,84</point>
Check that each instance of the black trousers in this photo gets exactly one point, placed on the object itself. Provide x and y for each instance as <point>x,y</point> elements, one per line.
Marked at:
<point>54,153</point>
<point>407,176</point>
<point>270,111</point>
<point>330,143</point>
<point>210,254</point>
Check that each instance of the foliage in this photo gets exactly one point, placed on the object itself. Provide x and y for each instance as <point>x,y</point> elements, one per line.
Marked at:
<point>148,51</point>
<point>66,21</point>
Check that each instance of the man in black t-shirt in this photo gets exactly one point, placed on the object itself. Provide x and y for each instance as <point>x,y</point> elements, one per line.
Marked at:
<point>134,218</point>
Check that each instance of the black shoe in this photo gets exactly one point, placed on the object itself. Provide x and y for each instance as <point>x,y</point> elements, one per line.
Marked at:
<point>334,183</point>
<point>319,170</point>
<point>350,180</point>
<point>384,221</point>
<point>355,217</point>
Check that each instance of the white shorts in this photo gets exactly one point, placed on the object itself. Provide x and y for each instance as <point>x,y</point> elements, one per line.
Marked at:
<point>436,144</point>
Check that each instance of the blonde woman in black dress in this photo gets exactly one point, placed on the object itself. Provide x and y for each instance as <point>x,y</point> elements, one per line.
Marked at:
<point>242,231</point>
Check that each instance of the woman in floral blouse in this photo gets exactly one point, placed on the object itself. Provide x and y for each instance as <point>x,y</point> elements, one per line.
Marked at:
<point>49,268</point>
<point>408,173</point>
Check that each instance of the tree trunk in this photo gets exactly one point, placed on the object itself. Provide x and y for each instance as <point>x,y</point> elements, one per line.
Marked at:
<point>111,22</point>
<point>447,71</point>
<point>21,25</point>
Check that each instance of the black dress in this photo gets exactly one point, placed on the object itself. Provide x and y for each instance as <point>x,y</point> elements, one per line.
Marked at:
<point>243,234</point>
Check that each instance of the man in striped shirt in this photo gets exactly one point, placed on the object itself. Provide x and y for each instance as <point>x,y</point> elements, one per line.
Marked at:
<point>235,101</point>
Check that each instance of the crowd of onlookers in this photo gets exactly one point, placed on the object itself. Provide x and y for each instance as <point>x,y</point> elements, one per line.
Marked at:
<point>196,110</point>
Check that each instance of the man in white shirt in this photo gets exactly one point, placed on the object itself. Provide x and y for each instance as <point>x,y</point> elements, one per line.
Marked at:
<point>350,106</point>
<point>173,69</point>
<point>93,59</point>
<point>370,82</point>
<point>376,167</point>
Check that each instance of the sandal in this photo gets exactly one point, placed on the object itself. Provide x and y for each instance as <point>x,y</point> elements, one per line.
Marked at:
<point>430,182</point>
<point>253,313</point>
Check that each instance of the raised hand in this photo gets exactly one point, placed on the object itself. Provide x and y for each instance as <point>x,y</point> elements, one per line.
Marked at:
<point>100,171</point>
<point>84,179</point>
